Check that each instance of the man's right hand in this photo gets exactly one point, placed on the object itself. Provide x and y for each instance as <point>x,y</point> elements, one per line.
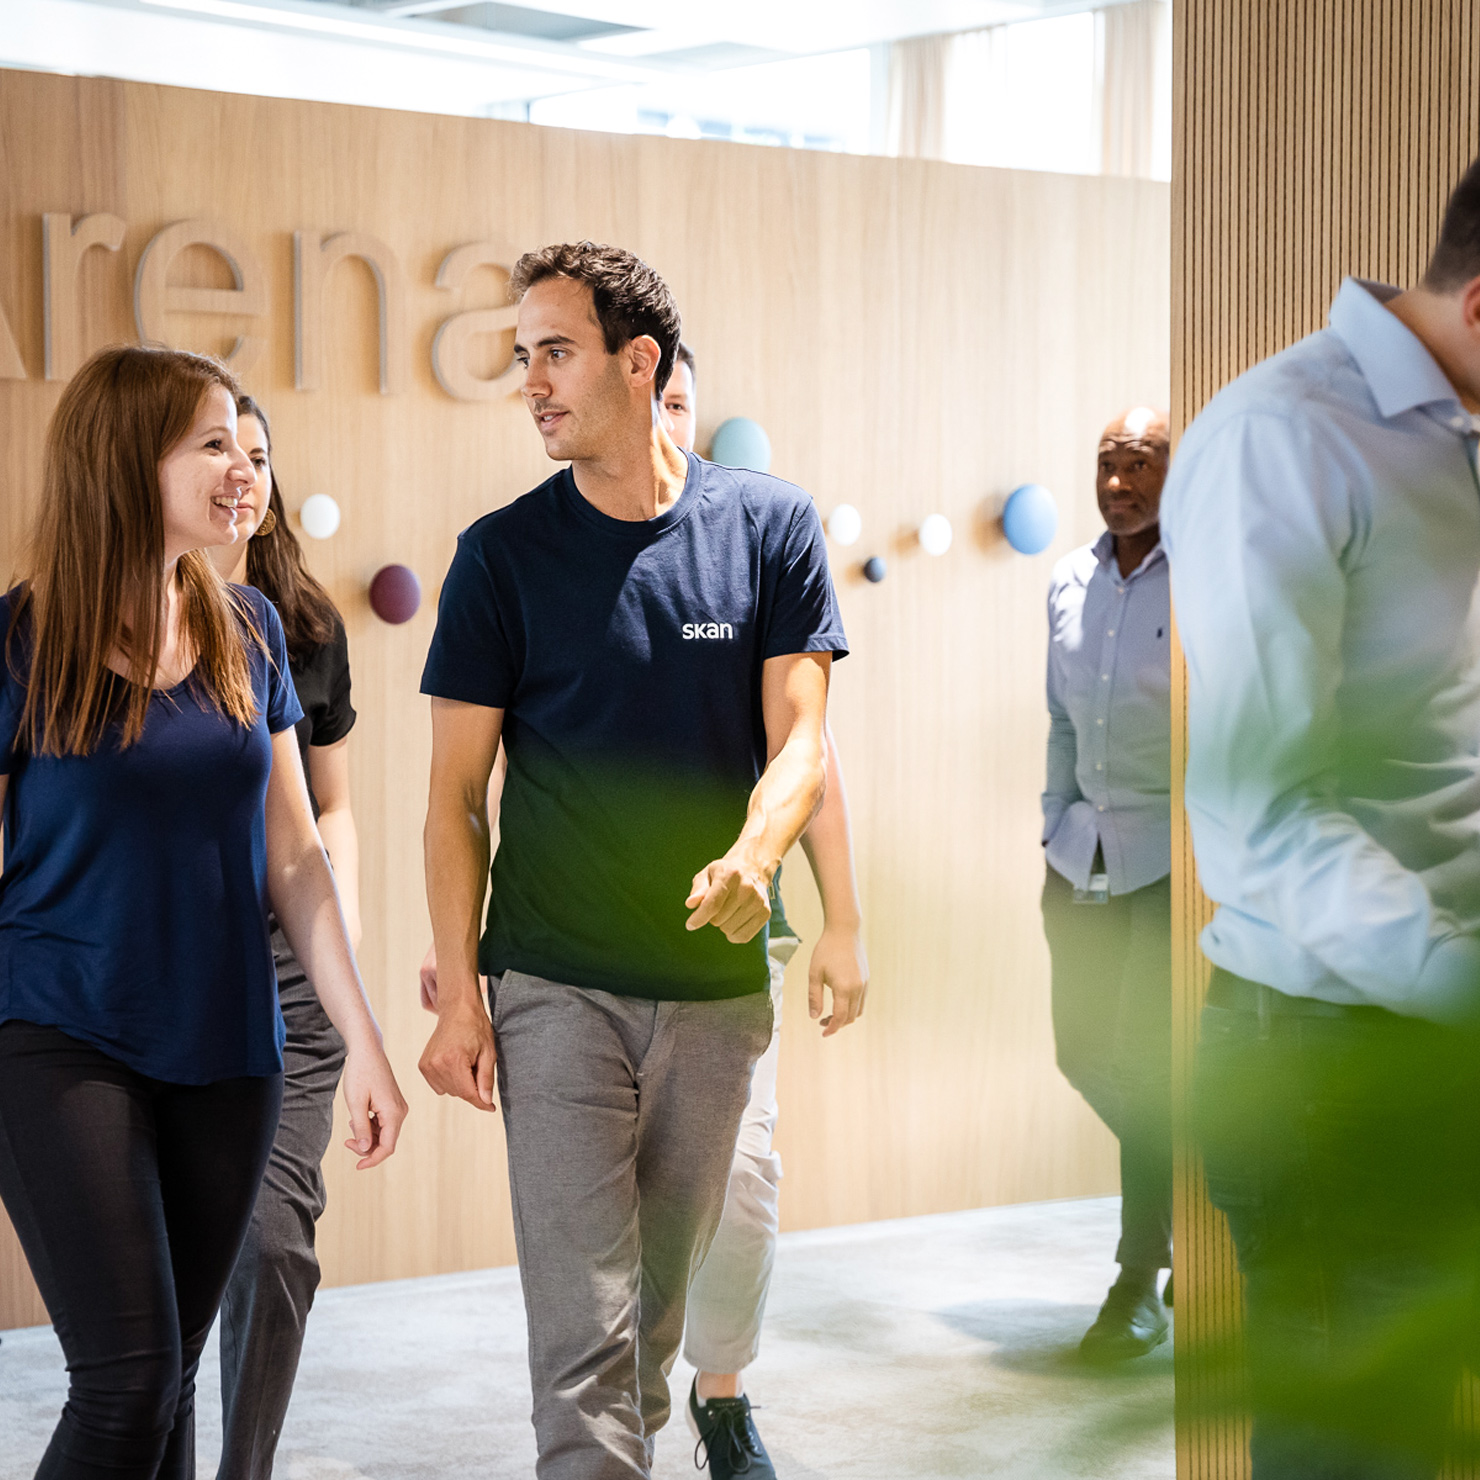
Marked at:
<point>459,1058</point>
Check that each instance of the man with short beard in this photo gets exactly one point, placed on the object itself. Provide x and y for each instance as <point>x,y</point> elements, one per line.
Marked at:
<point>1107,834</point>
<point>650,636</point>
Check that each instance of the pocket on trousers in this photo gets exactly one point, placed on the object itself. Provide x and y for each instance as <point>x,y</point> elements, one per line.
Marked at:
<point>497,993</point>
<point>765,1019</point>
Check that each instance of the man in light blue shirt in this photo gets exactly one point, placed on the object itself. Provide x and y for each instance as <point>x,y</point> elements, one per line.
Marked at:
<point>1322,522</point>
<point>1107,832</point>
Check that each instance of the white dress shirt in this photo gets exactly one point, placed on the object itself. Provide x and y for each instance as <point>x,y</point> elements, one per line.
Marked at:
<point>1110,725</point>
<point>1322,520</point>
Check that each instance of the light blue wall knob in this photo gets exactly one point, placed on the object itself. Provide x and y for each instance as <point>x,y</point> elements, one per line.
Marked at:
<point>741,443</point>
<point>1030,519</point>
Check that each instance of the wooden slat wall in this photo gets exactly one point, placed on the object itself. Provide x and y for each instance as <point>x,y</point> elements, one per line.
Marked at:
<point>914,336</point>
<point>1313,140</point>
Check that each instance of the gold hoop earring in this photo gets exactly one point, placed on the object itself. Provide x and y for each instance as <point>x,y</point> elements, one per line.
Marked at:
<point>269,523</point>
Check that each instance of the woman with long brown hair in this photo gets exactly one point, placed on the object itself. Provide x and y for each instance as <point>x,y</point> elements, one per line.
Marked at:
<point>272,1288</point>
<point>154,810</point>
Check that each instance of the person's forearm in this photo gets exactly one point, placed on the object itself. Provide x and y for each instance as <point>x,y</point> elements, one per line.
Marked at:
<point>457,855</point>
<point>783,803</point>
<point>828,844</point>
<point>306,903</point>
<point>342,844</point>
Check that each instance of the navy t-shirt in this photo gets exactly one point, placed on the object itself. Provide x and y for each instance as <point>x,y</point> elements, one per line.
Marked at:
<point>133,904</point>
<point>627,659</point>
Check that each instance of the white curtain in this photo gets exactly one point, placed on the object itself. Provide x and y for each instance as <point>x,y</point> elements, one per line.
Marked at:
<point>1015,96</point>
<point>918,91</point>
<point>1132,62</point>
<point>983,125</point>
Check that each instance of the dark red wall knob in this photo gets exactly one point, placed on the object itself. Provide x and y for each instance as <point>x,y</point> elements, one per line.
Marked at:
<point>395,594</point>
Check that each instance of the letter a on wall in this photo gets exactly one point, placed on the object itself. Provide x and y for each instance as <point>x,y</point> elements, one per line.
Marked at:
<point>12,367</point>
<point>450,347</point>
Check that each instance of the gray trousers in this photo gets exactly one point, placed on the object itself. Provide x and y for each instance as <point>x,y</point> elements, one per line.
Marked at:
<point>727,1300</point>
<point>267,1302</point>
<point>1112,1021</point>
<point>621,1116</point>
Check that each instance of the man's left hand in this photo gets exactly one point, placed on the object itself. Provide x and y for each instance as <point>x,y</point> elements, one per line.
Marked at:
<point>733,895</point>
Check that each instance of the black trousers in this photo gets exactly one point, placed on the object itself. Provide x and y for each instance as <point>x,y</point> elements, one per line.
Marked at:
<point>1112,1023</point>
<point>130,1198</point>
<point>1341,1144</point>
<point>271,1291</point>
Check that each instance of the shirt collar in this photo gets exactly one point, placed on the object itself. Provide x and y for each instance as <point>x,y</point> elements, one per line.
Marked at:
<point>1396,364</point>
<point>1104,550</point>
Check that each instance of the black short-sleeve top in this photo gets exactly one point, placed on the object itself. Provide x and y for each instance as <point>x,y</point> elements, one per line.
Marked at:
<point>321,678</point>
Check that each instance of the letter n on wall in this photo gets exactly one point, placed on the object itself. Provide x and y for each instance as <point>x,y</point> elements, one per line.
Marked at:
<point>313,256</point>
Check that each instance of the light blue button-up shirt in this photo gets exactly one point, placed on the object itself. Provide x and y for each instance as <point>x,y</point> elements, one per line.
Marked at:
<point>1109,733</point>
<point>1322,520</point>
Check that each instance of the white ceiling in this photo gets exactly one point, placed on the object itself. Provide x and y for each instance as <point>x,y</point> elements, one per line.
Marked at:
<point>663,28</point>
<point>461,56</point>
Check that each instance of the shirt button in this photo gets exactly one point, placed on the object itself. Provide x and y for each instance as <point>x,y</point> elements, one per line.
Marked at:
<point>1104,678</point>
<point>1099,765</point>
<point>1099,721</point>
<point>1099,809</point>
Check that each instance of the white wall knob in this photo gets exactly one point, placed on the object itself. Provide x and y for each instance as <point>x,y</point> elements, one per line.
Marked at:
<point>319,516</point>
<point>935,534</point>
<point>844,525</point>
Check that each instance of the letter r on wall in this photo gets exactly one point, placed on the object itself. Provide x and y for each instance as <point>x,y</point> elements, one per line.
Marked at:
<point>63,247</point>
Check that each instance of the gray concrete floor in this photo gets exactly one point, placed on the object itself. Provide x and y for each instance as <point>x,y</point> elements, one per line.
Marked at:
<point>914,1350</point>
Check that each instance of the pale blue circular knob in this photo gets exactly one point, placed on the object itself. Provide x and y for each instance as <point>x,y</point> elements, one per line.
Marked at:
<point>1030,519</point>
<point>741,443</point>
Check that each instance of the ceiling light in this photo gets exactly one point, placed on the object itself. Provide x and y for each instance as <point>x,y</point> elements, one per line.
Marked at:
<point>411,36</point>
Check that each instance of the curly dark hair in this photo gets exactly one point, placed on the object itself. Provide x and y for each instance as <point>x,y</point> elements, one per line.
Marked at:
<point>1456,259</point>
<point>630,299</point>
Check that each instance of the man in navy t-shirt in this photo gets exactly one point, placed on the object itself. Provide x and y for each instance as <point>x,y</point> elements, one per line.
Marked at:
<point>650,635</point>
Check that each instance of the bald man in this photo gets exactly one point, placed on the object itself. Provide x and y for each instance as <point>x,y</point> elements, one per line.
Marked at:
<point>1107,836</point>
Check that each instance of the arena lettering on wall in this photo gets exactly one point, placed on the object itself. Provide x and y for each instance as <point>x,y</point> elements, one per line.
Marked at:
<point>65,240</point>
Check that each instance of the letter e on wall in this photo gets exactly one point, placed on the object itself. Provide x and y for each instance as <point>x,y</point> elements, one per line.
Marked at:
<point>155,299</point>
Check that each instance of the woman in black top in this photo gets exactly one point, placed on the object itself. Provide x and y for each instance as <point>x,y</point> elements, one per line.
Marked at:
<point>270,1293</point>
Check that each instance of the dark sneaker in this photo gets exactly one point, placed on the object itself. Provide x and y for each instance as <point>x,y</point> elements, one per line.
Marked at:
<point>728,1442</point>
<point>1132,1322</point>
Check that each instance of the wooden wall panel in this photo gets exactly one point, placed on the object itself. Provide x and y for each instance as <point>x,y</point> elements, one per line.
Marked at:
<point>916,337</point>
<point>1312,141</point>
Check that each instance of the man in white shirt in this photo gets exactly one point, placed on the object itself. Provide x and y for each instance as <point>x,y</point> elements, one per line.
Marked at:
<point>1107,835</point>
<point>1323,526</point>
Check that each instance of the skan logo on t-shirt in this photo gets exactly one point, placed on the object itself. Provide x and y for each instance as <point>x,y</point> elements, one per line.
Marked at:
<point>693,630</point>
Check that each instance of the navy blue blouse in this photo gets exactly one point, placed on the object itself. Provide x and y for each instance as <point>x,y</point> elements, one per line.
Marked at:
<point>133,903</point>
